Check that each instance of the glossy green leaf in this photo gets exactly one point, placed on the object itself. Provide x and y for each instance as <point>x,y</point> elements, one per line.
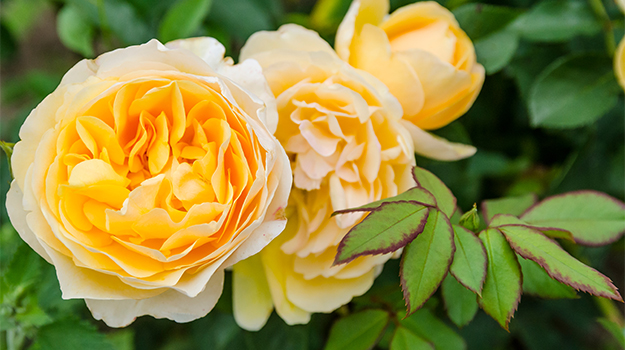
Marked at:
<point>426,260</point>
<point>403,339</point>
<point>538,283</point>
<point>444,198</point>
<point>487,26</point>
<point>593,218</point>
<point>75,31</point>
<point>509,205</point>
<point>557,20</point>
<point>357,331</point>
<point>429,327</point>
<point>22,273</point>
<point>502,288</point>
<point>469,263</point>
<point>482,20</point>
<point>415,194</point>
<point>573,91</point>
<point>560,265</point>
<point>460,303</point>
<point>74,335</point>
<point>183,19</point>
<point>496,50</point>
<point>385,230</point>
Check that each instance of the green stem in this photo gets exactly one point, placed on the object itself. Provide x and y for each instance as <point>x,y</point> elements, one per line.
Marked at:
<point>7,147</point>
<point>610,311</point>
<point>602,15</point>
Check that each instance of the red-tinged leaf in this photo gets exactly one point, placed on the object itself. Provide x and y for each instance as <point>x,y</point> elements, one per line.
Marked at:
<point>502,288</point>
<point>560,265</point>
<point>537,282</point>
<point>444,198</point>
<point>469,264</point>
<point>404,339</point>
<point>385,230</point>
<point>509,205</point>
<point>593,218</point>
<point>426,260</point>
<point>415,195</point>
<point>501,220</point>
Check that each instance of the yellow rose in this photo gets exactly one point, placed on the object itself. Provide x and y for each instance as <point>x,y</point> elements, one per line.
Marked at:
<point>342,131</point>
<point>619,63</point>
<point>419,52</point>
<point>146,173</point>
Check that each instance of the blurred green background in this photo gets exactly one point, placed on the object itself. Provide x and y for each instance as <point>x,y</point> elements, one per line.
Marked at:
<point>550,119</point>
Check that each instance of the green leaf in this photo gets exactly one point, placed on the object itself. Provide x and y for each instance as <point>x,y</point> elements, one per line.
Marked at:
<point>242,18</point>
<point>496,50</point>
<point>74,335</point>
<point>460,303</point>
<point>488,27</point>
<point>573,91</point>
<point>183,19</point>
<point>126,23</point>
<point>501,220</point>
<point>560,265</point>
<point>357,331</point>
<point>593,218</point>
<point>75,31</point>
<point>22,273</point>
<point>469,264</point>
<point>557,20</point>
<point>426,260</point>
<point>444,198</point>
<point>327,14</point>
<point>537,282</point>
<point>427,326</point>
<point>482,20</point>
<point>509,205</point>
<point>415,194</point>
<point>502,288</point>
<point>385,230</point>
<point>403,339</point>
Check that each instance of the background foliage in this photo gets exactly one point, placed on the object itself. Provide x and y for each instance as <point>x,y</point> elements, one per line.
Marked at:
<point>550,119</point>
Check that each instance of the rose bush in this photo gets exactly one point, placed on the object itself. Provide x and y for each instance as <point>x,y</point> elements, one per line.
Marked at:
<point>147,172</point>
<point>342,130</point>
<point>421,54</point>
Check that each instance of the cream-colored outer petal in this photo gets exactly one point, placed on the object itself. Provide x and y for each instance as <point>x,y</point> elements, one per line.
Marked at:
<point>170,304</point>
<point>619,62</point>
<point>210,50</point>
<point>435,147</point>
<point>249,75</point>
<point>17,215</point>
<point>251,298</point>
<point>287,37</point>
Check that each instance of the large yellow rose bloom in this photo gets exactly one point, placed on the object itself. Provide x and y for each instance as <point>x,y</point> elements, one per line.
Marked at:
<point>419,52</point>
<point>342,131</point>
<point>146,173</point>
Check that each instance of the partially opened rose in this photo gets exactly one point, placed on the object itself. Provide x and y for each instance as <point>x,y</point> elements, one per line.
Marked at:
<point>146,173</point>
<point>419,52</point>
<point>342,131</point>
